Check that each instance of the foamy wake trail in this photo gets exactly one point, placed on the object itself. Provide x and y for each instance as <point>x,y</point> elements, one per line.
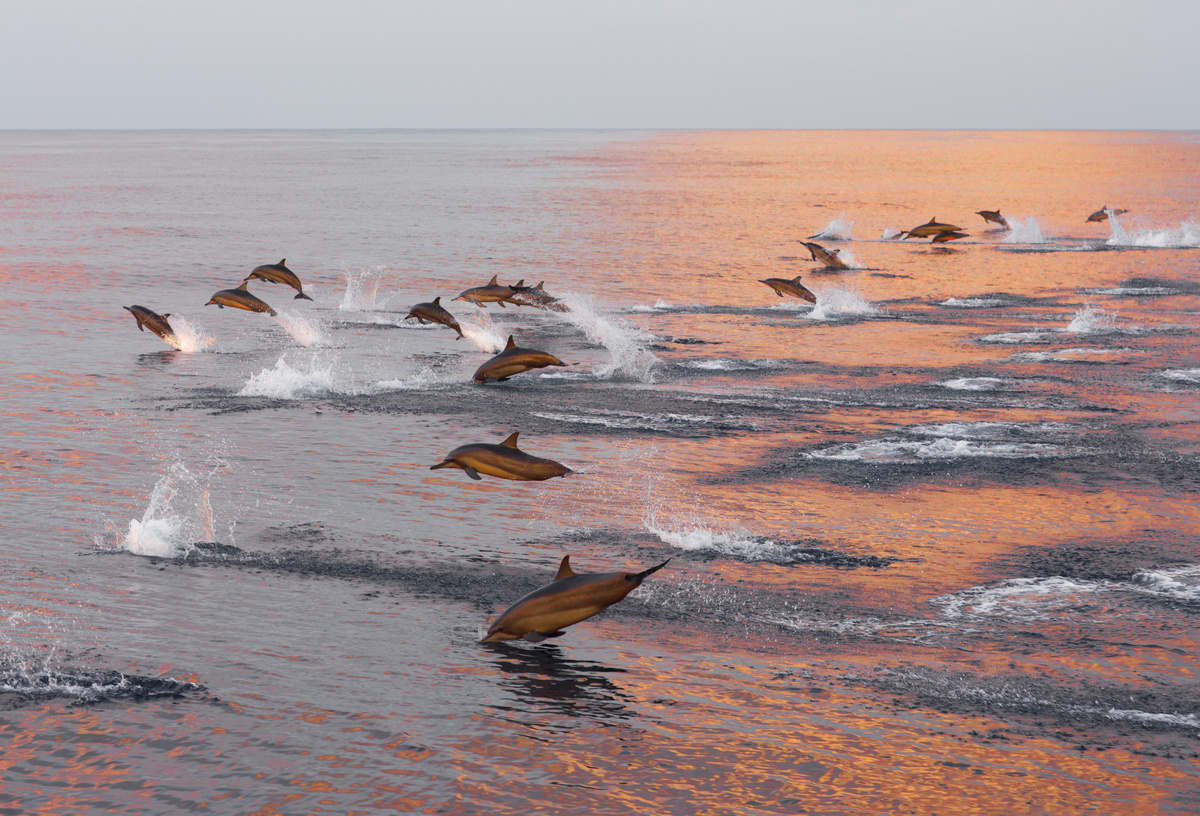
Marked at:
<point>362,290</point>
<point>695,536</point>
<point>1090,320</point>
<point>1186,236</point>
<point>481,332</point>
<point>285,382</point>
<point>840,301</point>
<point>1187,375</point>
<point>1028,231</point>
<point>304,330</point>
<point>972,383</point>
<point>178,514</point>
<point>189,338</point>
<point>838,230</point>
<point>627,344</point>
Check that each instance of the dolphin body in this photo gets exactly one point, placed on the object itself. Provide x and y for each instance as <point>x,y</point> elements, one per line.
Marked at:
<point>493,292</point>
<point>537,297</point>
<point>948,235</point>
<point>792,287</point>
<point>240,298</point>
<point>279,273</point>
<point>153,321</point>
<point>568,599</point>
<point>992,217</point>
<point>514,360</point>
<point>504,461</point>
<point>930,228</point>
<point>1103,213</point>
<point>435,312</point>
<point>829,257</point>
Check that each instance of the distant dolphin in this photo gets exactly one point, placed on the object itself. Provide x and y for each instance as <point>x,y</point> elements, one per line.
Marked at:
<point>829,257</point>
<point>514,360</point>
<point>536,297</point>
<point>153,321</point>
<point>504,461</point>
<point>434,312</point>
<point>568,599</point>
<point>792,287</point>
<point>930,228</point>
<point>240,298</point>
<point>948,235</point>
<point>993,217</point>
<point>493,292</point>
<point>279,273</point>
<point>1103,213</point>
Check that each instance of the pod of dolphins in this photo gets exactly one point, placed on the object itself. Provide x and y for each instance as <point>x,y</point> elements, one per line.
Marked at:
<point>571,597</point>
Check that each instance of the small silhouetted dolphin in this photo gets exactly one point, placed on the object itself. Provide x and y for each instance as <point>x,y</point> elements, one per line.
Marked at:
<point>948,235</point>
<point>153,321</point>
<point>493,292</point>
<point>793,287</point>
<point>568,599</point>
<point>829,257</point>
<point>514,360</point>
<point>993,217</point>
<point>1103,213</point>
<point>504,461</point>
<point>536,297</point>
<point>930,228</point>
<point>434,312</point>
<point>279,273</point>
<point>240,298</point>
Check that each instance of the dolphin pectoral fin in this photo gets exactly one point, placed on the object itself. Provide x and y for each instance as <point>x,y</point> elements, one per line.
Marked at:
<point>502,379</point>
<point>501,302</point>
<point>538,637</point>
<point>472,472</point>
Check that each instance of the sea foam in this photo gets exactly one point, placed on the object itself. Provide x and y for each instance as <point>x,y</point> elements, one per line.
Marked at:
<point>178,514</point>
<point>189,337</point>
<point>627,344</point>
<point>288,383</point>
<point>1027,231</point>
<point>840,301</point>
<point>838,230</point>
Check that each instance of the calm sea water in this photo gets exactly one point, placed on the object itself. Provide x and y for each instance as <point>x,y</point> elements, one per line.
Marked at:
<point>933,540</point>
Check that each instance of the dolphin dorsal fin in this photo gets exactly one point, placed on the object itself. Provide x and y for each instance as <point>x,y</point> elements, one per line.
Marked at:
<point>437,301</point>
<point>492,282</point>
<point>165,316</point>
<point>564,569</point>
<point>540,285</point>
<point>519,284</point>
<point>245,287</point>
<point>511,442</point>
<point>282,261</point>
<point>511,343</point>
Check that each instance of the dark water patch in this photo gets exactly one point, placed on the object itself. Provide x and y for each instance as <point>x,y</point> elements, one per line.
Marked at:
<point>1070,709</point>
<point>543,679</point>
<point>21,686</point>
<point>1101,559</point>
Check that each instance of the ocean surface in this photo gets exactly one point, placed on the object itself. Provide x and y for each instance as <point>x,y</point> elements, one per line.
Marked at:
<point>933,539</point>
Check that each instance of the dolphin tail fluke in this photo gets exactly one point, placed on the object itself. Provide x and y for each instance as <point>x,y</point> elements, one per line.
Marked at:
<point>301,296</point>
<point>644,574</point>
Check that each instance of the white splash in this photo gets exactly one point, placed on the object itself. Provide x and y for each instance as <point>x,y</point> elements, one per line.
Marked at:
<point>889,233</point>
<point>900,451</point>
<point>730,365</point>
<point>1028,231</point>
<point>837,230</point>
<point>972,383</point>
<point>1187,375</point>
<point>700,536</point>
<point>307,331</point>
<point>1186,236</point>
<point>1015,337</point>
<point>285,382</point>
<point>627,344</point>
<point>362,290</point>
<point>424,379</point>
<point>659,305</point>
<point>1091,320</point>
<point>1071,355</point>
<point>188,337</point>
<point>178,514</point>
<point>973,303</point>
<point>840,301</point>
<point>481,332</point>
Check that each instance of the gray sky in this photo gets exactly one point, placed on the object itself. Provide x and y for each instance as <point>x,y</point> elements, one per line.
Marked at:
<point>605,64</point>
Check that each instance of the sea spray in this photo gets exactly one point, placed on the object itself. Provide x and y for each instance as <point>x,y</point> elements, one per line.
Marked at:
<point>287,382</point>
<point>627,344</point>
<point>188,337</point>
<point>179,513</point>
<point>840,301</point>
<point>1091,320</point>
<point>362,290</point>
<point>837,230</point>
<point>1186,236</point>
<point>307,331</point>
<point>1028,231</point>
<point>479,329</point>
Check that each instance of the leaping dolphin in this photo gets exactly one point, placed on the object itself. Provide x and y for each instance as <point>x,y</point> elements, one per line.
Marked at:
<point>1103,213</point>
<point>279,273</point>
<point>992,217</point>
<point>493,292</point>
<point>240,298</point>
<point>930,228</point>
<point>504,461</point>
<point>829,257</point>
<point>153,321</point>
<point>792,287</point>
<point>514,360</point>
<point>536,297</point>
<point>567,600</point>
<point>434,312</point>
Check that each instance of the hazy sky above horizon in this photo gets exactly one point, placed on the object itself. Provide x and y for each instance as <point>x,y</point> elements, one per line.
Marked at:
<point>934,64</point>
